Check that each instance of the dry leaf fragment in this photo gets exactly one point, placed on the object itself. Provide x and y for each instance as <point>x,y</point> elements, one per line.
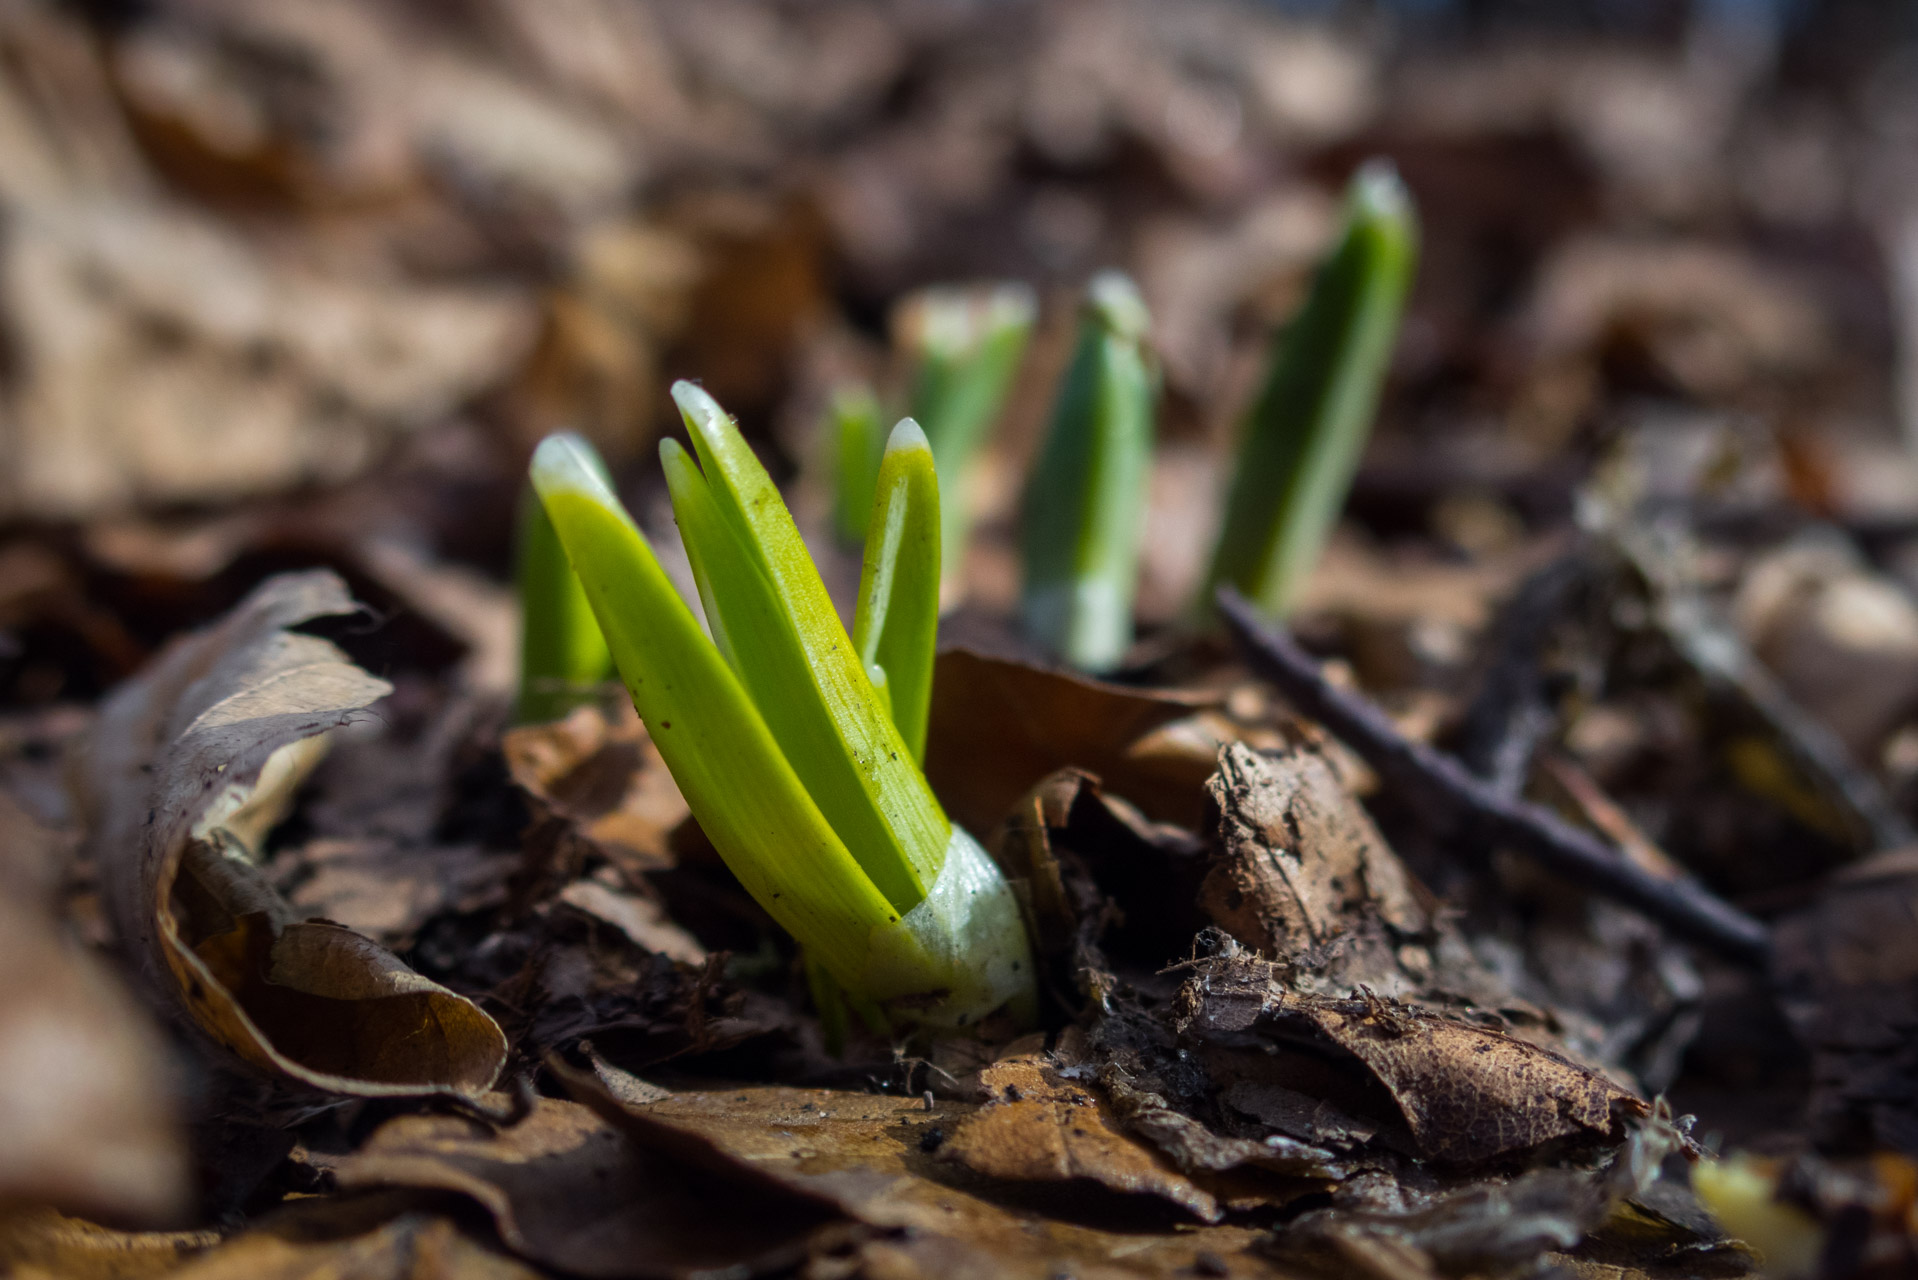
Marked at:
<point>39,1244</point>
<point>998,726</point>
<point>1464,1092</point>
<point>878,1159</point>
<point>1467,1092</point>
<point>1300,867</point>
<point>190,764</point>
<point>409,1246</point>
<point>599,774</point>
<point>566,1190</point>
<point>1040,1127</point>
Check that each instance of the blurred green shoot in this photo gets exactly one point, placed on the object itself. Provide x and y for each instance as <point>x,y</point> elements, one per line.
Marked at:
<point>966,343</point>
<point>1306,430</point>
<point>896,622</point>
<point>853,417</point>
<point>773,731</point>
<point>563,656</point>
<point>1086,496</point>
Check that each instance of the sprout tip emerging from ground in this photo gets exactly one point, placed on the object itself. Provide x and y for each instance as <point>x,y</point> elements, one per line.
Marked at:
<point>1306,430</point>
<point>786,752</point>
<point>966,343</point>
<point>1085,500</point>
<point>563,656</point>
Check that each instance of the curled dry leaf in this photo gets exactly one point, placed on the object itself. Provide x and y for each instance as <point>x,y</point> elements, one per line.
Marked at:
<point>998,726</point>
<point>86,1112</point>
<point>190,765</point>
<point>567,1190</point>
<point>1463,1092</point>
<point>1494,1227</point>
<point>878,1160</point>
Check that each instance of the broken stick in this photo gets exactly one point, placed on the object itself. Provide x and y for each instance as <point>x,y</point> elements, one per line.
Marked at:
<point>1446,790</point>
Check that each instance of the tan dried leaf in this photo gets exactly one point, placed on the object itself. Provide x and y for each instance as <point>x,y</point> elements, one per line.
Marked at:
<point>1040,1127</point>
<point>189,766</point>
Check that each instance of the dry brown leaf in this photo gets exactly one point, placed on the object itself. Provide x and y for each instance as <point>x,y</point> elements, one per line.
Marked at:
<point>998,726</point>
<point>387,888</point>
<point>40,1244</point>
<point>1300,869</point>
<point>877,1159</point>
<point>190,764</point>
<point>566,1190</point>
<point>410,1246</point>
<point>1037,1126</point>
<point>1463,1092</point>
<point>1467,1092</point>
<point>599,773</point>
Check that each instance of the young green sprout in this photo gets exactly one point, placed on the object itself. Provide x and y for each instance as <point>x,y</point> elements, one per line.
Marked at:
<point>853,419</point>
<point>777,738</point>
<point>896,620</point>
<point>1305,432</point>
<point>966,343</point>
<point>1082,523</point>
<point>563,656</point>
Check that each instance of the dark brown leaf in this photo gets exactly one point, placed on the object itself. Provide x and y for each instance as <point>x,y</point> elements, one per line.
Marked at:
<point>567,1190</point>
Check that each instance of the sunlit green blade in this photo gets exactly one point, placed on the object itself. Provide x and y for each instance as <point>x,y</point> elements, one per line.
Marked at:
<point>1085,501</point>
<point>734,777</point>
<point>563,657</point>
<point>1306,430</point>
<point>896,621</point>
<point>770,660</point>
<point>967,343</point>
<point>692,505</point>
<point>806,678</point>
<point>858,440</point>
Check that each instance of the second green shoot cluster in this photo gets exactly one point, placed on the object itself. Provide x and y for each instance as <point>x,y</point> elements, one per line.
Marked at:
<point>1083,514</point>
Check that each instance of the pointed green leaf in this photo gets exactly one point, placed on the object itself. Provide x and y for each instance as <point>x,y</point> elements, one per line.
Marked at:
<point>1305,432</point>
<point>967,342</point>
<point>563,656</point>
<point>858,440</point>
<point>807,679</point>
<point>1085,501</point>
<point>896,620</point>
<point>735,778</point>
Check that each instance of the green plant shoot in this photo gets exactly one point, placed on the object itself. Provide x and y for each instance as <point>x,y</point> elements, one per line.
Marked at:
<point>896,621</point>
<point>1306,430</point>
<point>777,739</point>
<point>563,656</point>
<point>967,343</point>
<point>853,418</point>
<point>1084,499</point>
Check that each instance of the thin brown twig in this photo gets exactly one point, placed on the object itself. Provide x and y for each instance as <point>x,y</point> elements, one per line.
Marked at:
<point>1446,790</point>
